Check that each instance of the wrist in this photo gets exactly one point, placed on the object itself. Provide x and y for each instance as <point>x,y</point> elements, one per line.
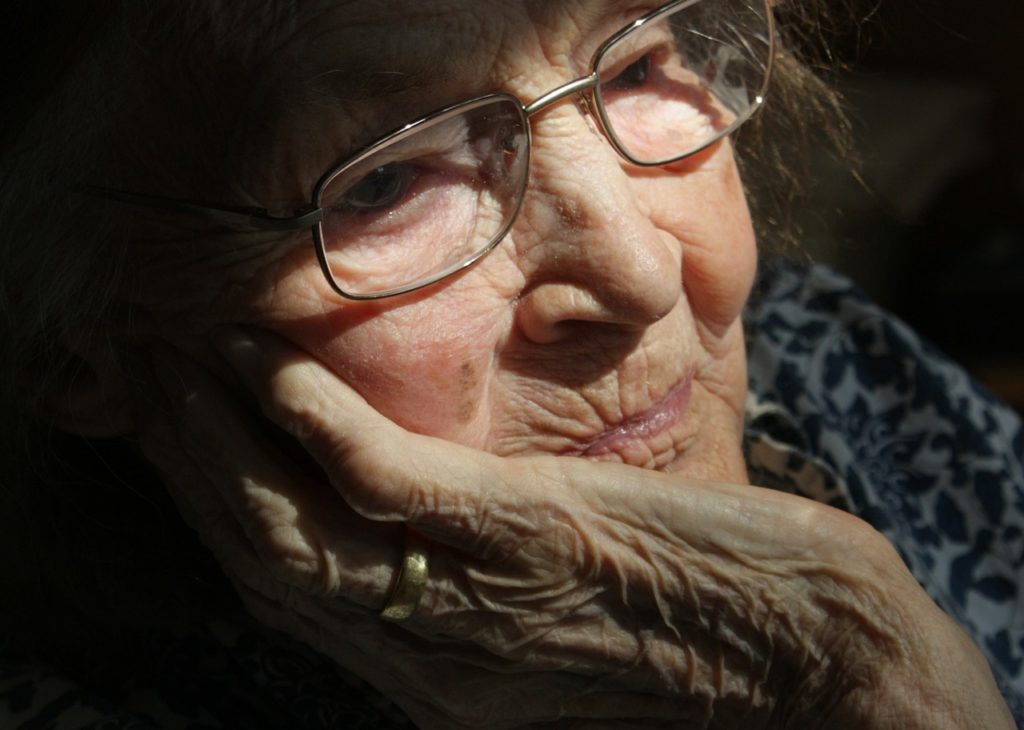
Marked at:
<point>889,657</point>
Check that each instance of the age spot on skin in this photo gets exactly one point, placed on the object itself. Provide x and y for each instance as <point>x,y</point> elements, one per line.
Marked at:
<point>467,385</point>
<point>572,215</point>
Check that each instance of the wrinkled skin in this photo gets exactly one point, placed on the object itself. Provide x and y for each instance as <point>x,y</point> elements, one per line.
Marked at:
<point>595,595</point>
<point>645,584</point>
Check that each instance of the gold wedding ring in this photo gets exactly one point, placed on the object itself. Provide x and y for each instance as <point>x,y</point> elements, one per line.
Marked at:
<point>412,578</point>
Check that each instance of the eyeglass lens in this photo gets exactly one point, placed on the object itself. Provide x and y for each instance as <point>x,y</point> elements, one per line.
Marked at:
<point>432,199</point>
<point>428,201</point>
<point>681,81</point>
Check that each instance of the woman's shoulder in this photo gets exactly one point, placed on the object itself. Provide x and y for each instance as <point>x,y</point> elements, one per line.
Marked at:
<point>828,354</point>
<point>901,436</point>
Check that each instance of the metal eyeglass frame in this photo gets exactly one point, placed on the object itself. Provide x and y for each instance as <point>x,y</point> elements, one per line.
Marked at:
<point>584,88</point>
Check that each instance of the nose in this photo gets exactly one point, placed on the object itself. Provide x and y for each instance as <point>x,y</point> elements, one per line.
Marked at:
<point>586,242</point>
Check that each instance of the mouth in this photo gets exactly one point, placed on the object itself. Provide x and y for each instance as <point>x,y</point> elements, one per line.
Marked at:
<point>641,428</point>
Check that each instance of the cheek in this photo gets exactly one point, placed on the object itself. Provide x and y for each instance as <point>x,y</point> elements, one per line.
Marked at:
<point>708,213</point>
<point>426,366</point>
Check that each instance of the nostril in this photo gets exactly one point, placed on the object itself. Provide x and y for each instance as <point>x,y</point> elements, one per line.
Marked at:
<point>554,311</point>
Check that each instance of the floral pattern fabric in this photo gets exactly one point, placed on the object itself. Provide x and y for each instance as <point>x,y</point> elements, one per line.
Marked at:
<point>847,406</point>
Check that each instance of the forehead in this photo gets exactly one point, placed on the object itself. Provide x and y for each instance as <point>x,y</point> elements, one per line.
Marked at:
<point>327,77</point>
<point>422,41</point>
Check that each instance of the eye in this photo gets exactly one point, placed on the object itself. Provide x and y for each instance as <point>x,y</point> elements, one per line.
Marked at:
<point>508,144</point>
<point>503,148</point>
<point>381,188</point>
<point>633,76</point>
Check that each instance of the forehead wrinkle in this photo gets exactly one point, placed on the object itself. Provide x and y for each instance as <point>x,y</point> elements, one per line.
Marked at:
<point>568,32</point>
<point>582,12</point>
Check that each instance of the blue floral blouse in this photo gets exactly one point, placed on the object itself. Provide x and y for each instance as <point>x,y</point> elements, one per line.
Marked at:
<point>847,406</point>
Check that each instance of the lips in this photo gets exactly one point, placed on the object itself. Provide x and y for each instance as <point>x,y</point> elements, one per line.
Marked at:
<point>642,427</point>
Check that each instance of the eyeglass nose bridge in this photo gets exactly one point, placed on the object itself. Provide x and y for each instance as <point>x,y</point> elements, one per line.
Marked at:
<point>573,88</point>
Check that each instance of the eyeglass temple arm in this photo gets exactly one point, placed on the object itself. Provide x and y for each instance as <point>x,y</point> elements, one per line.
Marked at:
<point>250,217</point>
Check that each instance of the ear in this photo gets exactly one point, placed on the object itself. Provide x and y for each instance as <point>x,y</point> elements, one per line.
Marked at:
<point>89,396</point>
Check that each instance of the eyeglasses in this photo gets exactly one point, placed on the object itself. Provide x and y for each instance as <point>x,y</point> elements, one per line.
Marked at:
<point>436,195</point>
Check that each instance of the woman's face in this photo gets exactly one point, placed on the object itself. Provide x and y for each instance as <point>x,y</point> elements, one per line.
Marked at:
<point>606,324</point>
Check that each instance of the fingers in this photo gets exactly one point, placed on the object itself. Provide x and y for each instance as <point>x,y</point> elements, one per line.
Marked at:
<point>480,503</point>
<point>201,504</point>
<point>302,532</point>
<point>630,544</point>
<point>454,494</point>
<point>445,684</point>
<point>565,520</point>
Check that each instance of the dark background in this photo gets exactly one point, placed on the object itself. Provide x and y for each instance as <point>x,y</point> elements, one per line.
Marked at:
<point>934,229</point>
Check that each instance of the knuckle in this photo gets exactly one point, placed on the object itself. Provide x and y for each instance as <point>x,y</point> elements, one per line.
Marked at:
<point>290,559</point>
<point>290,553</point>
<point>377,484</point>
<point>295,409</point>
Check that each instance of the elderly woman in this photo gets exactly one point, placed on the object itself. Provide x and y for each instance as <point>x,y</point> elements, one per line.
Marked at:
<point>427,316</point>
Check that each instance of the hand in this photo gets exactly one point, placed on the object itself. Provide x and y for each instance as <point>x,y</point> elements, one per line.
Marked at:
<point>560,588</point>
